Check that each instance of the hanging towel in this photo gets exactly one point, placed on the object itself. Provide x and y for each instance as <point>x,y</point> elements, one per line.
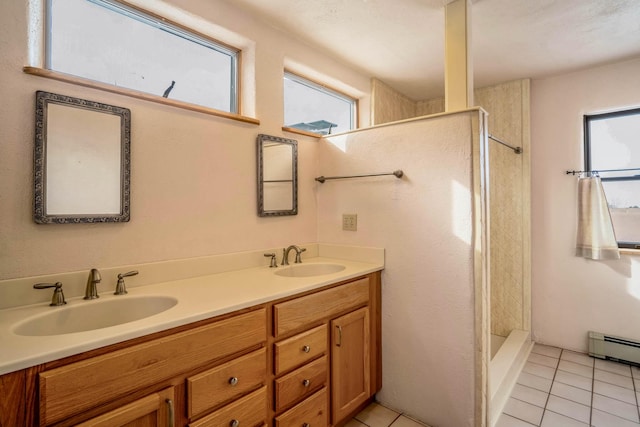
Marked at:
<point>596,238</point>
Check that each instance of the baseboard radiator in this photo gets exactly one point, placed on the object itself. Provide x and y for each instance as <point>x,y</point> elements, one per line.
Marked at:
<point>614,348</point>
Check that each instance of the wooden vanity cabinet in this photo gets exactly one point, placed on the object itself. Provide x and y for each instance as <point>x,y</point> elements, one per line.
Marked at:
<point>153,410</point>
<point>312,358</point>
<point>329,369</point>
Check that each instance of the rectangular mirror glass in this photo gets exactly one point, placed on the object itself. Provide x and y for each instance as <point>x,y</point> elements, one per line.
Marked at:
<point>81,161</point>
<point>277,176</point>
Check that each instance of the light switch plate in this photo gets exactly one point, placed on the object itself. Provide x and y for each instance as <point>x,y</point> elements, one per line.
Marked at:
<point>350,222</point>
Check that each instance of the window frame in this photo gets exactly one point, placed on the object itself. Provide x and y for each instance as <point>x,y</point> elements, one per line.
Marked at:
<point>321,87</point>
<point>157,21</point>
<point>587,119</point>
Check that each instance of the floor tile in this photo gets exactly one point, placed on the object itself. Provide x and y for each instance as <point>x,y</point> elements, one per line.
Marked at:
<point>541,359</point>
<point>509,421</point>
<point>614,391</point>
<point>574,380</point>
<point>616,407</point>
<point>523,411</point>
<point>635,371</point>
<point>574,394</point>
<point>404,421</point>
<point>575,368</point>
<point>581,358</point>
<point>546,350</point>
<point>534,381</point>
<point>530,395</point>
<point>604,419</point>
<point>551,419</point>
<point>637,396</point>
<point>354,423</point>
<point>611,378</point>
<point>615,367</point>
<point>539,370</point>
<point>569,408</point>
<point>376,415</point>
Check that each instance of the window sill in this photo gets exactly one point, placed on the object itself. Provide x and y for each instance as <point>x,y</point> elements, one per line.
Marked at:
<point>628,251</point>
<point>302,132</point>
<point>42,72</point>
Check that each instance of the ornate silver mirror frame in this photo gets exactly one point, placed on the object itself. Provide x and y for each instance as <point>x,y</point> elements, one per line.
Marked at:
<point>82,161</point>
<point>277,176</point>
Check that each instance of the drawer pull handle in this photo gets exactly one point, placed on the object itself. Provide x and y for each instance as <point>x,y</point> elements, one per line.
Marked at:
<point>306,383</point>
<point>233,381</point>
<point>234,423</point>
<point>306,348</point>
<point>339,343</point>
<point>171,417</point>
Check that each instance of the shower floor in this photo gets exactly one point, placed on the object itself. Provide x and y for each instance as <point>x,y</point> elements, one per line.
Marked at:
<point>562,388</point>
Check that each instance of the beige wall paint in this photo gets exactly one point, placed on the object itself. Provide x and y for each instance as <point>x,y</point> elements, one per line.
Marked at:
<point>193,175</point>
<point>572,295</point>
<point>389,105</point>
<point>424,222</point>
<point>508,106</point>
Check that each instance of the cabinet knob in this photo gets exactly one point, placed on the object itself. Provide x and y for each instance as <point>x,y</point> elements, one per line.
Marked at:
<point>306,425</point>
<point>306,348</point>
<point>306,383</point>
<point>234,423</point>
<point>233,381</point>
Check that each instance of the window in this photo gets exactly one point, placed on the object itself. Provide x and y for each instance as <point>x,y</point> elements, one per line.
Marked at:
<point>109,42</point>
<point>314,108</point>
<point>612,147</point>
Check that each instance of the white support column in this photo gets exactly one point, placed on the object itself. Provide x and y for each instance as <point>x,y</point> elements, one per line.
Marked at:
<point>458,62</point>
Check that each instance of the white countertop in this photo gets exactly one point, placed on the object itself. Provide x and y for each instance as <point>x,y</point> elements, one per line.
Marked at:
<point>198,298</point>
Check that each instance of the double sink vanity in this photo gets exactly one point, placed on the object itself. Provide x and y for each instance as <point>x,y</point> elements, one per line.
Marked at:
<point>240,345</point>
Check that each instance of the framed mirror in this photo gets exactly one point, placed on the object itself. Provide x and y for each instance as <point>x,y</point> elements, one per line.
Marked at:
<point>82,161</point>
<point>277,176</point>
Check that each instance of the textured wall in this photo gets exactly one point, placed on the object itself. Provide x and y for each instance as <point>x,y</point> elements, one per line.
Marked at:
<point>572,295</point>
<point>388,105</point>
<point>430,106</point>
<point>424,222</point>
<point>508,108</point>
<point>193,175</point>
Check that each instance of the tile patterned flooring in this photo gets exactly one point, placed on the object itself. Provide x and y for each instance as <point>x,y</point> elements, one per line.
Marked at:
<point>376,415</point>
<point>562,388</point>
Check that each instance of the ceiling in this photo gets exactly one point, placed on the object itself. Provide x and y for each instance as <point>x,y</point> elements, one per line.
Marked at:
<point>401,42</point>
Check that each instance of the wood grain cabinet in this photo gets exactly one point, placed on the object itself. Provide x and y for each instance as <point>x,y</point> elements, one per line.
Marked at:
<point>310,360</point>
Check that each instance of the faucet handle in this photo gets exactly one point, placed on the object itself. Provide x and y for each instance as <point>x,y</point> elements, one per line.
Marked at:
<point>121,288</point>
<point>298,259</point>
<point>58,296</point>
<point>274,262</point>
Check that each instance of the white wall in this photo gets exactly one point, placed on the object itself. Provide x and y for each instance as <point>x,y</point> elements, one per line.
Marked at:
<point>424,222</point>
<point>571,295</point>
<point>193,175</point>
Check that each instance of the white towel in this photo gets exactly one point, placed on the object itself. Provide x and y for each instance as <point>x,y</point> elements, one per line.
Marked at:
<point>596,238</point>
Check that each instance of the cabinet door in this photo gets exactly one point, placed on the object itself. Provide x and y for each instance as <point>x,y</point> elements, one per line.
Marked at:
<point>150,411</point>
<point>350,359</point>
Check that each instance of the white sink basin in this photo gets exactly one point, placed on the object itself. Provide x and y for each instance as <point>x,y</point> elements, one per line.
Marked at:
<point>307,270</point>
<point>91,315</point>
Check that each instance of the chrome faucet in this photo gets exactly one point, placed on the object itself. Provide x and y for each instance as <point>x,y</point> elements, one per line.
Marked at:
<point>285,254</point>
<point>91,291</point>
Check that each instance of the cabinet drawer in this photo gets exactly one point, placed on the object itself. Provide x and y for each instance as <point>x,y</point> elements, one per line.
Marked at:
<point>299,312</point>
<point>249,411</point>
<point>312,412</point>
<point>88,383</point>
<point>300,383</point>
<point>300,349</point>
<point>215,386</point>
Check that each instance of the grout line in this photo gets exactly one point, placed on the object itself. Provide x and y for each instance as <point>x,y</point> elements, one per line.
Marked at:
<point>593,390</point>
